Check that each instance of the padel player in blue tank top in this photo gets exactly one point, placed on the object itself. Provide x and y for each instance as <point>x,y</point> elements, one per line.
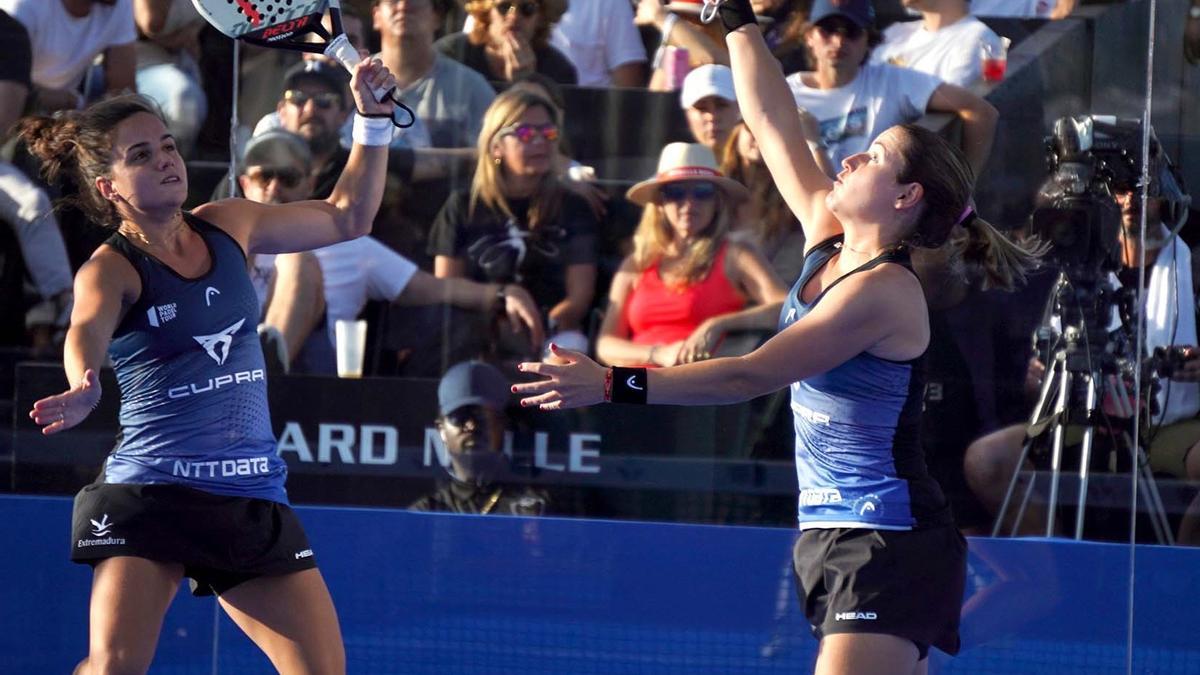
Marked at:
<point>879,564</point>
<point>194,486</point>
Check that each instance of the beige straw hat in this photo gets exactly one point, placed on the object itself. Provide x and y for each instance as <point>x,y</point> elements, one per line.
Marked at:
<point>685,161</point>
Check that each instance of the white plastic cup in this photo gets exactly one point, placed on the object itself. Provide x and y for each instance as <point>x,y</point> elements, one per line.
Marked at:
<point>351,338</point>
<point>994,59</point>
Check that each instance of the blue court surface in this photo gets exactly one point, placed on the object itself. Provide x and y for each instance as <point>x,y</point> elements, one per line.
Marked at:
<point>425,593</point>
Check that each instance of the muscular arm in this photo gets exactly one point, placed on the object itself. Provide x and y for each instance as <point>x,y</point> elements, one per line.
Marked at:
<point>769,110</point>
<point>978,119</point>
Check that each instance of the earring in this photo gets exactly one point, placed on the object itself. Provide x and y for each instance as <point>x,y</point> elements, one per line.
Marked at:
<point>496,159</point>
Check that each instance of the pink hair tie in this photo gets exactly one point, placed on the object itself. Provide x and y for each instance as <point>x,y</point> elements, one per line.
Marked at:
<point>968,213</point>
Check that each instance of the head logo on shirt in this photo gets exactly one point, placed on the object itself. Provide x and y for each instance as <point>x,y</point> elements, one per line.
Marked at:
<point>217,345</point>
<point>208,293</point>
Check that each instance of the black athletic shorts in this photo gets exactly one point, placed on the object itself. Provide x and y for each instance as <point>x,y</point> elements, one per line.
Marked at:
<point>903,583</point>
<point>221,541</point>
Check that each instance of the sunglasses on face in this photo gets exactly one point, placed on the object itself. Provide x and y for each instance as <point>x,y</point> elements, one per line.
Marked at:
<point>527,132</point>
<point>526,9</point>
<point>839,26</point>
<point>468,414</point>
<point>288,178</point>
<point>324,101</point>
<point>677,192</point>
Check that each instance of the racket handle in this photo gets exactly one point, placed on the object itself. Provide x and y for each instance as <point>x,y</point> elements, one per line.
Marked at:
<point>340,48</point>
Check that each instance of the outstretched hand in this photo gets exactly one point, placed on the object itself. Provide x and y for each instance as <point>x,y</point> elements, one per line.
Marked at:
<point>63,411</point>
<point>577,382</point>
<point>371,75</point>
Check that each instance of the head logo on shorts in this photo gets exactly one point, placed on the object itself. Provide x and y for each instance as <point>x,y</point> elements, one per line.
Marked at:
<point>868,504</point>
<point>217,345</point>
<point>101,528</point>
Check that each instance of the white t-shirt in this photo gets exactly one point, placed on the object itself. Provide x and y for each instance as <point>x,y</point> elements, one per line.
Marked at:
<point>598,36</point>
<point>64,45</point>
<point>952,53</point>
<point>1023,8</point>
<point>852,116</point>
<point>353,272</point>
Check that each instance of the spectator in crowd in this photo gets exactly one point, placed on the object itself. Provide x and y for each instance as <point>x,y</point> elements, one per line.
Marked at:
<point>763,220</point>
<point>855,102</point>
<point>471,421</point>
<point>509,38</point>
<point>314,105</point>
<point>687,285</point>
<point>66,35</point>
<point>784,31</point>
<point>1174,430</point>
<point>415,135</point>
<point>601,40</point>
<point>679,26</point>
<point>25,208</point>
<point>167,64</point>
<point>447,96</point>
<point>517,223</point>
<point>710,106</point>
<point>1030,9</point>
<point>278,169</point>
<point>946,42</point>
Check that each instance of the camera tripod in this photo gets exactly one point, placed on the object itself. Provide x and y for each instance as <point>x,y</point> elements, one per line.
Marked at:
<point>1082,369</point>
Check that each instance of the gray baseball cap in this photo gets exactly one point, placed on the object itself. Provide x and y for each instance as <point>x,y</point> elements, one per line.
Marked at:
<point>472,383</point>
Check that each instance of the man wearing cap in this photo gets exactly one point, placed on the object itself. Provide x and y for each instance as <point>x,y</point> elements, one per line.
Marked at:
<point>278,169</point>
<point>710,106</point>
<point>854,103</point>
<point>947,42</point>
<point>471,421</point>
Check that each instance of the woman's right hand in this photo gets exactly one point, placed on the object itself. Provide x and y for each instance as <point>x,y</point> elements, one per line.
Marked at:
<point>63,411</point>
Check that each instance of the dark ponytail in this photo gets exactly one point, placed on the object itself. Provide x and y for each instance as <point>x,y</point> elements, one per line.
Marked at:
<point>77,145</point>
<point>978,251</point>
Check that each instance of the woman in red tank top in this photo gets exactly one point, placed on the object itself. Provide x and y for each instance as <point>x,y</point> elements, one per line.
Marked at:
<point>686,285</point>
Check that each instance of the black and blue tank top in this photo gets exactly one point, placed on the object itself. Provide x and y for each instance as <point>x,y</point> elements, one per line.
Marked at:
<point>859,460</point>
<point>193,384</point>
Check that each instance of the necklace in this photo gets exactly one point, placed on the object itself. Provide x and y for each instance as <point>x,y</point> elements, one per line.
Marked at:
<point>869,254</point>
<point>136,233</point>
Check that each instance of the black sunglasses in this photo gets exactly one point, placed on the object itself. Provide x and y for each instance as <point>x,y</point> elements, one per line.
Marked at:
<point>324,100</point>
<point>288,178</point>
<point>677,192</point>
<point>527,9</point>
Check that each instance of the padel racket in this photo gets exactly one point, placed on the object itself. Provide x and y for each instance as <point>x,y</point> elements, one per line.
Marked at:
<point>283,24</point>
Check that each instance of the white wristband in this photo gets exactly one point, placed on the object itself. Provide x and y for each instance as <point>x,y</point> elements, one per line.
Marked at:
<point>373,131</point>
<point>667,26</point>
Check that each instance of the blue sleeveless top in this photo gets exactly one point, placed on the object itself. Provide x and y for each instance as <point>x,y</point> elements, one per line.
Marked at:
<point>859,460</point>
<point>193,383</point>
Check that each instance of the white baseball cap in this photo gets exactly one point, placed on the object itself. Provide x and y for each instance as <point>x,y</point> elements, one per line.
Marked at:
<point>707,80</point>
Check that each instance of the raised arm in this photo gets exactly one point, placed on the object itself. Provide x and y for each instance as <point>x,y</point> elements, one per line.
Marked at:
<point>769,110</point>
<point>350,209</point>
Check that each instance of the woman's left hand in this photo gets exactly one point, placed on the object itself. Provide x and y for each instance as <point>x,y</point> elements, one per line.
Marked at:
<point>370,75</point>
<point>703,341</point>
<point>578,382</point>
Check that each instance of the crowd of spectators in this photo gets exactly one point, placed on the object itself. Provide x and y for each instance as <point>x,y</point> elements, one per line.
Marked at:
<point>493,241</point>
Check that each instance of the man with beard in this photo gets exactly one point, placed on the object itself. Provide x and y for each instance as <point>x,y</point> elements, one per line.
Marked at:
<point>471,399</point>
<point>314,106</point>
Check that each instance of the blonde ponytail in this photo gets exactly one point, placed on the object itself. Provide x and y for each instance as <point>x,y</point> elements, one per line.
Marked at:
<point>983,254</point>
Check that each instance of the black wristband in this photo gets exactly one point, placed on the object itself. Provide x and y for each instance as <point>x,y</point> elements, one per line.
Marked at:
<point>629,385</point>
<point>735,14</point>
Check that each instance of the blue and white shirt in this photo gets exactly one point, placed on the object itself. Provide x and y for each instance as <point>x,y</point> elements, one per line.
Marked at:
<point>859,461</point>
<point>193,383</point>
